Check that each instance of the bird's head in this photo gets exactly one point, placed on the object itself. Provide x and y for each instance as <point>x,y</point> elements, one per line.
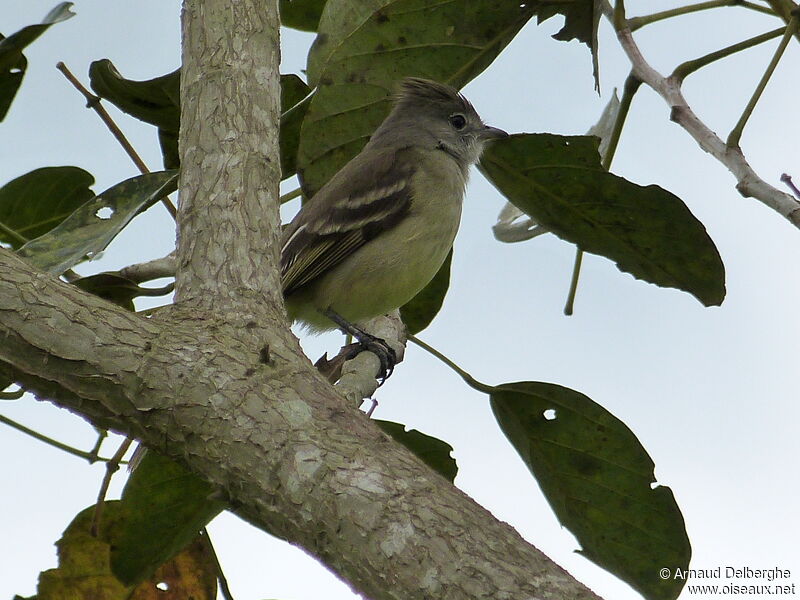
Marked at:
<point>431,113</point>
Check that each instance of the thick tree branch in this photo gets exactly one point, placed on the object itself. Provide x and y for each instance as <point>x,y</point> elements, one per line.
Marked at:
<point>291,455</point>
<point>230,168</point>
<point>749,184</point>
<point>218,382</point>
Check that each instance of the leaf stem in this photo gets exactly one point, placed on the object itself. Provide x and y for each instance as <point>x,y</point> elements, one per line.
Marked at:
<point>10,232</point>
<point>93,102</point>
<point>468,379</point>
<point>573,283</point>
<point>291,195</point>
<point>787,179</point>
<point>736,133</point>
<point>632,84</point>
<point>89,456</point>
<point>15,395</point>
<point>784,9</point>
<point>102,434</point>
<point>619,19</point>
<point>630,88</point>
<point>690,66</point>
<point>112,466</point>
<point>637,22</point>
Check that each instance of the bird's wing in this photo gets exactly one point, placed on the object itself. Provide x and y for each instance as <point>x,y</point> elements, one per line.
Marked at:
<point>368,196</point>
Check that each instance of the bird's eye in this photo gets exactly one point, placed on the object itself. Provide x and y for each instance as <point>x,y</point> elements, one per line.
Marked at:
<point>458,121</point>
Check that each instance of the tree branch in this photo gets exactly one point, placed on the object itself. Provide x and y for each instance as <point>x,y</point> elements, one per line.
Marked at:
<point>288,452</point>
<point>229,223</point>
<point>218,382</point>
<point>749,184</point>
<point>638,22</point>
<point>152,269</point>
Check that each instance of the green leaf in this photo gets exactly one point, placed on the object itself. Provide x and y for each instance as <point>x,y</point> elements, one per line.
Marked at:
<point>165,507</point>
<point>432,451</point>
<point>168,141</point>
<point>647,231</point>
<point>301,14</point>
<point>295,99</point>
<point>91,227</point>
<point>293,91</point>
<point>84,564</point>
<point>364,48</point>
<point>11,80</point>
<point>581,22</point>
<point>418,312</point>
<point>598,479</point>
<point>157,101</point>
<point>34,203</point>
<point>13,63</point>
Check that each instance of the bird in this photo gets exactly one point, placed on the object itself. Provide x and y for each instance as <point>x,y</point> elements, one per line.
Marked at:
<point>376,234</point>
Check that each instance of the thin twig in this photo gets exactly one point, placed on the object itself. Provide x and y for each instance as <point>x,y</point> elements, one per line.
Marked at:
<point>51,442</point>
<point>372,407</point>
<point>102,434</point>
<point>153,269</point>
<point>749,184</point>
<point>636,22</point>
<point>632,84</point>
<point>573,282</point>
<point>112,467</point>
<point>785,9</point>
<point>93,102</point>
<point>685,69</point>
<point>736,133</point>
<point>468,379</point>
<point>787,179</point>
<point>629,90</point>
<point>291,195</point>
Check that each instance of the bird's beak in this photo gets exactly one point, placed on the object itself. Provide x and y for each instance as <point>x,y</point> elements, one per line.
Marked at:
<point>491,133</point>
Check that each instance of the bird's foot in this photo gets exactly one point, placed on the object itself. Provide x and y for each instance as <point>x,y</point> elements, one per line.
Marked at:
<point>385,353</point>
<point>366,341</point>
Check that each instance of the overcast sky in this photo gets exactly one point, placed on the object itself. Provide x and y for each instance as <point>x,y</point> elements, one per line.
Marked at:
<point>710,392</point>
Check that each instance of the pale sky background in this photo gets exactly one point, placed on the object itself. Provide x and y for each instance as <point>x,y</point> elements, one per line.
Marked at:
<point>710,392</point>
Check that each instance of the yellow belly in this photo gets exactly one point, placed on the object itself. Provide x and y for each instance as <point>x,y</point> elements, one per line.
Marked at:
<point>393,267</point>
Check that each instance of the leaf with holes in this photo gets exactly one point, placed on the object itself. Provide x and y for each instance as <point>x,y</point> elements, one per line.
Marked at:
<point>581,22</point>
<point>90,228</point>
<point>13,63</point>
<point>364,48</point>
<point>84,569</point>
<point>165,507</point>
<point>418,312</point>
<point>34,203</point>
<point>599,480</point>
<point>649,232</point>
<point>432,451</point>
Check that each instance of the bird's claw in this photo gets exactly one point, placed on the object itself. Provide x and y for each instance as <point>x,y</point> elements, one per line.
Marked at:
<point>386,355</point>
<point>380,348</point>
